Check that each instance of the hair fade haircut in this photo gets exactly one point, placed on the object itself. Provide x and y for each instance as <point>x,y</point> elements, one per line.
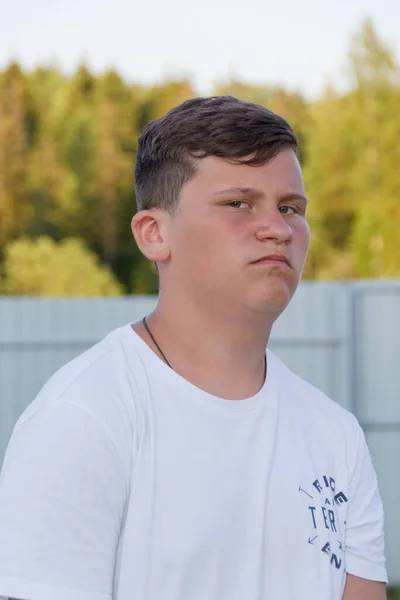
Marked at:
<point>242,132</point>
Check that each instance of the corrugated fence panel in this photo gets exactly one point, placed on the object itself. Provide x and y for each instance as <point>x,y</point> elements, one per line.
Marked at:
<point>378,353</point>
<point>385,452</point>
<point>313,338</point>
<point>342,337</point>
<point>376,309</point>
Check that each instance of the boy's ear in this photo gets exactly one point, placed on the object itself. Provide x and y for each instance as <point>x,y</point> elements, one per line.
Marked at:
<point>150,232</point>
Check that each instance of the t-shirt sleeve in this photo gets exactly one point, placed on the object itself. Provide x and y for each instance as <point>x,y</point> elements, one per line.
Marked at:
<point>63,490</point>
<point>364,530</point>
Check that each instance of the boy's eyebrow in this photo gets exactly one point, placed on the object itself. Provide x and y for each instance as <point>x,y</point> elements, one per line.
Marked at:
<point>293,196</point>
<point>255,193</point>
<point>248,191</point>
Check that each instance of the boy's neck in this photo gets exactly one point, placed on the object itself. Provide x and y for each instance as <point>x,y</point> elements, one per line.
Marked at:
<point>224,356</point>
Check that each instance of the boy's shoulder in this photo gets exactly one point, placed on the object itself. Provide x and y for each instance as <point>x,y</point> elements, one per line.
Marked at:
<point>94,381</point>
<point>310,403</point>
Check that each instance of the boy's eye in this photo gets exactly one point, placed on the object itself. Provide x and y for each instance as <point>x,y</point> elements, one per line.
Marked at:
<point>236,203</point>
<point>285,210</point>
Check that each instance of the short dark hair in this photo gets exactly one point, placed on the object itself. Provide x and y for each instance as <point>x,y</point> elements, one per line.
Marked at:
<point>222,126</point>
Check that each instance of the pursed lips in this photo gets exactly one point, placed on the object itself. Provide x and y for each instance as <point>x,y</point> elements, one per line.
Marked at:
<point>273,259</point>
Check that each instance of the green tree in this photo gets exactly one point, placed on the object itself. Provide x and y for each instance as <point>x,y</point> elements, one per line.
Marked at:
<point>373,106</point>
<point>16,119</point>
<point>74,132</point>
<point>115,135</point>
<point>48,177</point>
<point>43,267</point>
<point>353,177</point>
<point>328,179</point>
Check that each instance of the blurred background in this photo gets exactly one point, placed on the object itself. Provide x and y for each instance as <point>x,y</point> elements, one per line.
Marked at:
<point>78,81</point>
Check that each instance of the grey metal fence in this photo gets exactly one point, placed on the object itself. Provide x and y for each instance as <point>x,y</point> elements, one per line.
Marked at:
<point>342,337</point>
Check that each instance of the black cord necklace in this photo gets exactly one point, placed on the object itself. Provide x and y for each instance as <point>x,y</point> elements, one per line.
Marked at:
<point>165,358</point>
<point>152,337</point>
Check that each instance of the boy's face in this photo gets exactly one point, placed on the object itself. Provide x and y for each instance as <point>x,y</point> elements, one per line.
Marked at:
<point>217,236</point>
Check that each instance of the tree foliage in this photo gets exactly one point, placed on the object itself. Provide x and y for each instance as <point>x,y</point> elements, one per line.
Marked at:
<point>67,151</point>
<point>353,174</point>
<point>42,267</point>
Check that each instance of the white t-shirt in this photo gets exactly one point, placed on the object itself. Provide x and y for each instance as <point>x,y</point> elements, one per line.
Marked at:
<point>124,481</point>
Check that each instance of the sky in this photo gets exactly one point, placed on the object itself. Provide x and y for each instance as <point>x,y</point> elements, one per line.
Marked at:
<point>300,44</point>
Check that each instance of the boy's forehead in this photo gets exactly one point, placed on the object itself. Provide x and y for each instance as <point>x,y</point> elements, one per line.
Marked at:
<point>221,175</point>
